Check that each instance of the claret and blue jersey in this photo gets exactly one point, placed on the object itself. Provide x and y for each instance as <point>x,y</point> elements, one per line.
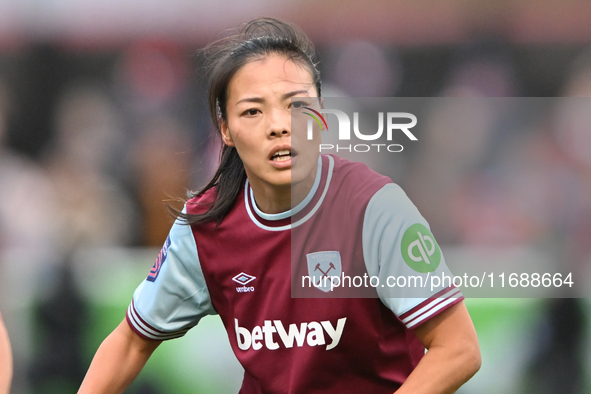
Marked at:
<point>294,338</point>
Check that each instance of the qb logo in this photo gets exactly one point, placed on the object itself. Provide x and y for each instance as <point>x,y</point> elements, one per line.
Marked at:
<point>419,249</point>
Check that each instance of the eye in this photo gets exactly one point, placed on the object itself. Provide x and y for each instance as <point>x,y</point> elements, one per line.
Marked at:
<point>251,112</point>
<point>298,104</point>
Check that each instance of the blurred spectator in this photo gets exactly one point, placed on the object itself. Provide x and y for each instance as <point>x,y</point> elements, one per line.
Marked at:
<point>27,240</point>
<point>94,209</point>
<point>483,69</point>
<point>161,161</point>
<point>26,196</point>
<point>61,318</point>
<point>557,363</point>
<point>459,139</point>
<point>513,201</point>
<point>456,137</point>
<point>572,137</point>
<point>578,81</point>
<point>151,75</point>
<point>153,85</point>
<point>363,69</point>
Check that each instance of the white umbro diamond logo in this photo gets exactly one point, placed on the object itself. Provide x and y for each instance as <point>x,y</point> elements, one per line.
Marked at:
<point>243,278</point>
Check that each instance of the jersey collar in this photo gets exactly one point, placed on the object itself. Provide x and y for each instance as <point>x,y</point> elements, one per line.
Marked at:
<point>300,213</point>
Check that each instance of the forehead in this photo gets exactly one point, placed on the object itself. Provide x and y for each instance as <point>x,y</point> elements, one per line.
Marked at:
<point>272,74</point>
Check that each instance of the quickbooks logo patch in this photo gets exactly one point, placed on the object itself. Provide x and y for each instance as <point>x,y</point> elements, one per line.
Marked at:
<point>419,249</point>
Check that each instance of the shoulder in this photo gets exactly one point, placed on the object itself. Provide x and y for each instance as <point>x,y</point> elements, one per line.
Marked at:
<point>355,169</point>
<point>199,204</point>
<point>391,203</point>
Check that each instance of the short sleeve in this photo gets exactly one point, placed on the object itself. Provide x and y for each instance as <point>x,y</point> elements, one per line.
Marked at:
<point>399,248</point>
<point>174,296</point>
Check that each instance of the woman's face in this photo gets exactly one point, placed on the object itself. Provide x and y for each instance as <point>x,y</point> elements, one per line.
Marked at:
<point>258,122</point>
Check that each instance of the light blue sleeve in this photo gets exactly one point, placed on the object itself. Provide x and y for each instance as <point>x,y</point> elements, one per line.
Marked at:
<point>399,248</point>
<point>174,296</point>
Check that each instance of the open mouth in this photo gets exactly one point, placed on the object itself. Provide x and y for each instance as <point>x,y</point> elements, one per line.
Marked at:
<point>282,155</point>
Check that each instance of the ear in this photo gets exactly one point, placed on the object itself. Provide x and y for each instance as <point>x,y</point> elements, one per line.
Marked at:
<point>226,137</point>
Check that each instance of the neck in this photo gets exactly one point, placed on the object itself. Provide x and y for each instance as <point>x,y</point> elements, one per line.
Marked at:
<point>280,199</point>
<point>276,199</point>
<point>272,200</point>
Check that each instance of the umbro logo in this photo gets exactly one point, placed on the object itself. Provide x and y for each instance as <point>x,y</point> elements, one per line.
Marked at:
<point>243,278</point>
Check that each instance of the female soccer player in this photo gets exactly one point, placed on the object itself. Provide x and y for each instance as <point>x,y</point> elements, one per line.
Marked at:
<point>234,256</point>
<point>5,360</point>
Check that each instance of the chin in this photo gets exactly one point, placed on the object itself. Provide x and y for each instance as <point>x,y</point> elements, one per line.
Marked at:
<point>283,183</point>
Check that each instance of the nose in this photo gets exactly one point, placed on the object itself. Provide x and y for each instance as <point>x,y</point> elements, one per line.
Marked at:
<point>279,123</point>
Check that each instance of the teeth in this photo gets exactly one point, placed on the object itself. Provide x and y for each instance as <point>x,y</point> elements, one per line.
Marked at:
<point>282,155</point>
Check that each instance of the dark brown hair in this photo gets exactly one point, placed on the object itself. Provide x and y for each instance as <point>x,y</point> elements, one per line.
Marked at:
<point>223,58</point>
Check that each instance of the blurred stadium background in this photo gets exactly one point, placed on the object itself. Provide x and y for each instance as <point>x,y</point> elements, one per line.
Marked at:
<point>103,118</point>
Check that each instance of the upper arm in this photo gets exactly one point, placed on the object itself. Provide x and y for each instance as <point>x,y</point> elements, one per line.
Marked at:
<point>453,355</point>
<point>451,329</point>
<point>140,345</point>
<point>118,361</point>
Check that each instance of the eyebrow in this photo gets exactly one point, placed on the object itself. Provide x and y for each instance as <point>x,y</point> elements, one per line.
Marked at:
<point>261,100</point>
